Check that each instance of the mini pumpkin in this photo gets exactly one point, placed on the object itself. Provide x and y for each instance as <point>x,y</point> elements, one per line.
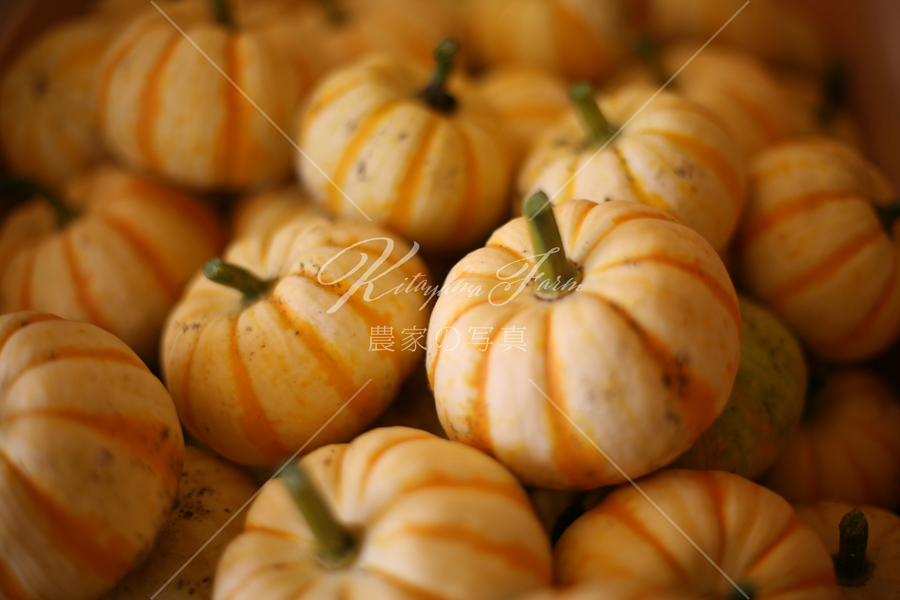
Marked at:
<point>698,521</point>
<point>47,125</point>
<point>269,345</point>
<point>397,513</point>
<point>114,250</point>
<point>511,357</point>
<point>580,39</point>
<point>865,544</point>
<point>847,446</point>
<point>264,213</point>
<point>210,492</point>
<point>528,101</point>
<point>90,453</point>
<point>766,401</point>
<point>431,166</point>
<point>165,109</point>
<point>673,155</point>
<point>817,245</point>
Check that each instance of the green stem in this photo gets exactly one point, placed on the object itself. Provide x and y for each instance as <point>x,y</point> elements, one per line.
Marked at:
<point>888,214</point>
<point>335,14</point>
<point>223,15</point>
<point>836,84</point>
<point>337,543</point>
<point>236,277</point>
<point>64,214</point>
<point>582,95</point>
<point>647,50</point>
<point>851,565</point>
<point>436,94</point>
<point>559,275</point>
<point>741,594</point>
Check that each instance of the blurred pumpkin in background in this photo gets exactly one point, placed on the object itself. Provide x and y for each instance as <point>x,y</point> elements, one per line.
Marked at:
<point>90,454</point>
<point>113,249</point>
<point>264,213</point>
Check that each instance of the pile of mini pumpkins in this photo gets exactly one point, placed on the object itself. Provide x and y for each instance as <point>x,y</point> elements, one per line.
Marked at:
<point>472,323</point>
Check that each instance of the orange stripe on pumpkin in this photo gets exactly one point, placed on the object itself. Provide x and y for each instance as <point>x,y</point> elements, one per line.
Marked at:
<point>187,412</point>
<point>82,283</point>
<point>621,220</point>
<point>113,62</point>
<point>98,354</point>
<point>406,587</point>
<point>375,456</point>
<point>230,143</point>
<point>27,279</point>
<point>760,223</point>
<point>470,211</point>
<point>403,202</point>
<point>150,104</point>
<point>828,267</point>
<point>637,189</point>
<point>170,286</point>
<point>25,322</point>
<point>790,528</point>
<point>84,540</point>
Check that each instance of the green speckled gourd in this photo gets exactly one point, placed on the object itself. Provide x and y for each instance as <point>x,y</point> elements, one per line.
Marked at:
<point>766,402</point>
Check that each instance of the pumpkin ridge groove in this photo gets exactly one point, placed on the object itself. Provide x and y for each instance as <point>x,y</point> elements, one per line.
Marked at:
<point>113,63</point>
<point>758,225</point>
<point>637,189</point>
<point>76,539</point>
<point>181,204</point>
<point>792,525</point>
<point>716,494</point>
<point>26,321</point>
<point>633,216</point>
<point>27,279</point>
<point>453,321</point>
<point>374,457</point>
<point>60,354</point>
<point>403,202</point>
<point>230,138</point>
<point>187,411</point>
<point>826,268</point>
<point>150,257</point>
<point>472,196</point>
<point>81,284</point>
<point>403,585</point>
<point>149,105</point>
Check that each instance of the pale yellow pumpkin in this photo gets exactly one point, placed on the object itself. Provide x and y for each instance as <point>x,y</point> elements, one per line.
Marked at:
<point>750,533</point>
<point>255,375</point>
<point>90,453</point>
<point>264,213</point>
<point>674,156</point>
<point>47,124</point>
<point>770,29</point>
<point>847,446</point>
<point>579,39</point>
<point>119,263</point>
<point>431,519</point>
<point>528,101</point>
<point>210,492</point>
<point>812,248</point>
<point>165,109</point>
<point>438,175</point>
<point>642,357</point>
<point>877,575</point>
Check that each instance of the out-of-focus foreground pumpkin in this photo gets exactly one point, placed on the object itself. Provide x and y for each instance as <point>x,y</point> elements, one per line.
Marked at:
<point>258,362</point>
<point>90,454</point>
<point>397,513</point>
<point>114,250</point>
<point>704,532</point>
<point>641,355</point>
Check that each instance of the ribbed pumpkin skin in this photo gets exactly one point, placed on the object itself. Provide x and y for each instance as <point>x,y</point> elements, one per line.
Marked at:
<point>439,520</point>
<point>883,549</point>
<point>255,380</point>
<point>812,248</point>
<point>765,405</point>
<point>769,29</point>
<point>90,453</point>
<point>440,180</point>
<point>121,265</point>
<point>749,532</point>
<point>847,446</point>
<point>674,156</point>
<point>264,213</point>
<point>47,125</point>
<point>612,589</point>
<point>580,39</point>
<point>527,100</point>
<point>649,374</point>
<point>165,109</point>
<point>210,492</point>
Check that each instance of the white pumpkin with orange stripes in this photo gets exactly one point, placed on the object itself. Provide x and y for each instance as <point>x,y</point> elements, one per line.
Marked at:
<point>116,252</point>
<point>705,533</point>
<point>265,348</point>
<point>672,154</point>
<point>428,162</point>
<point>847,446</point>
<point>167,108</point>
<point>511,359</point>
<point>90,454</point>
<point>264,213</point>
<point>813,248</point>
<point>396,514</point>
<point>47,125</point>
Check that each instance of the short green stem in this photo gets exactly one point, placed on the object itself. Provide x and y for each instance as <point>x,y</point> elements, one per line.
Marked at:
<point>647,50</point>
<point>888,214</point>
<point>598,129</point>
<point>558,275</point>
<point>236,277</point>
<point>222,13</point>
<point>337,543</point>
<point>851,565</point>
<point>64,214</point>
<point>336,15</point>
<point>436,94</point>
